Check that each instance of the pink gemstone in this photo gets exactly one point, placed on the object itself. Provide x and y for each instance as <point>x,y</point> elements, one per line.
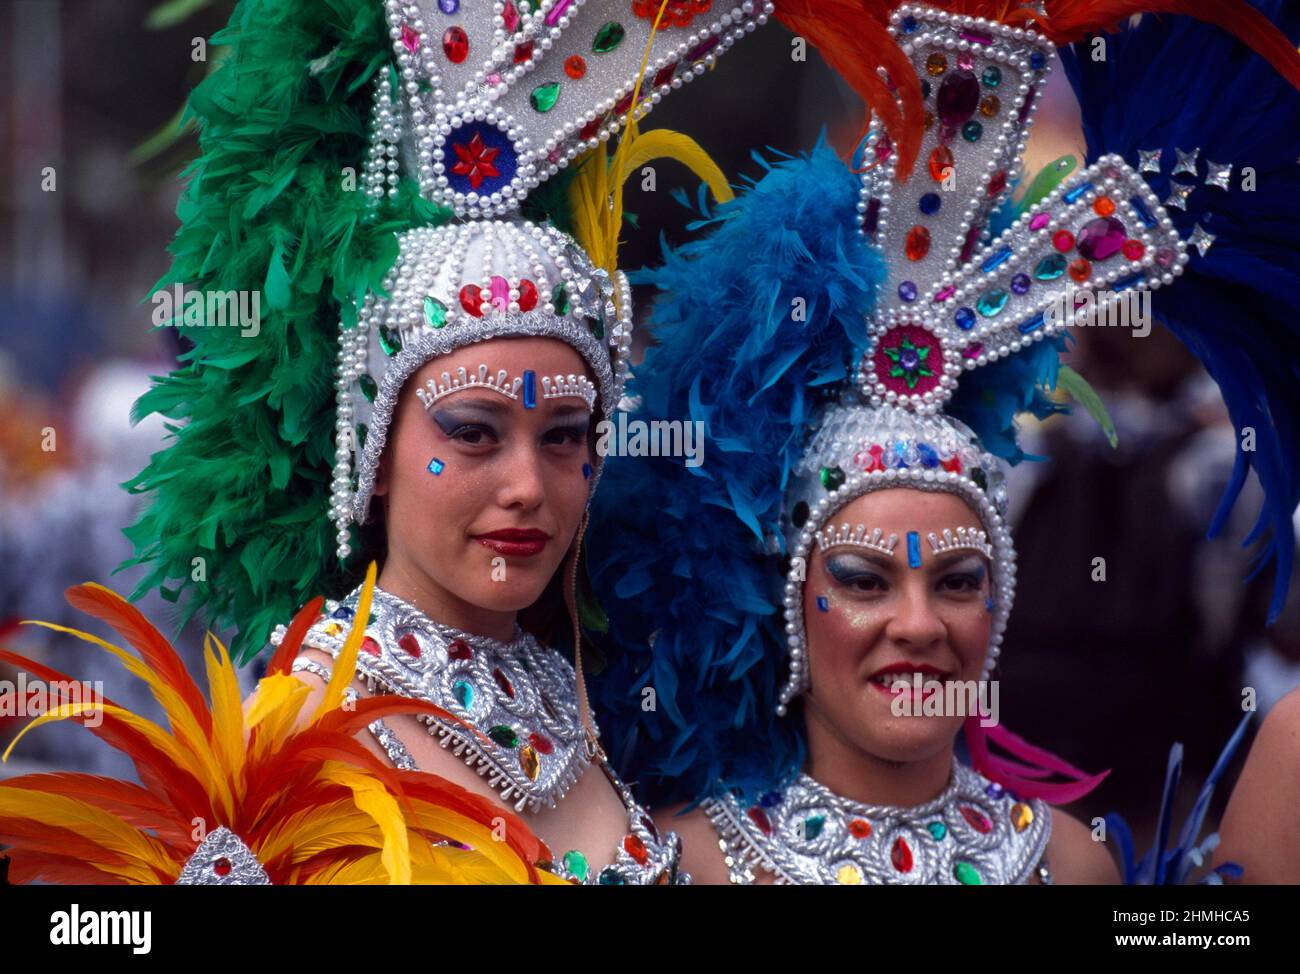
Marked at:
<point>555,155</point>
<point>976,37</point>
<point>973,350</point>
<point>884,148</point>
<point>1040,220</point>
<point>493,79</point>
<point>965,61</point>
<point>510,17</point>
<point>410,39</point>
<point>978,820</point>
<point>1101,238</point>
<point>1165,257</point>
<point>499,289</point>
<point>945,294</point>
<point>972,238</point>
<point>557,12</point>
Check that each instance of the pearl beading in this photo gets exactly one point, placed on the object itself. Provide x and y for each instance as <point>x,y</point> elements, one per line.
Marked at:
<point>846,537</point>
<point>559,387</point>
<point>972,538</point>
<point>419,113</point>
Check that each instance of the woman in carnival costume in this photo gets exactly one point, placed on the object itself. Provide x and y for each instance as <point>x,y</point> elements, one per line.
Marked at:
<point>423,391</point>
<point>870,458</point>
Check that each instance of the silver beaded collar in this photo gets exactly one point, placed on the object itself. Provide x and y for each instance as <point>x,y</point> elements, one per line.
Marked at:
<point>520,696</point>
<point>975,833</point>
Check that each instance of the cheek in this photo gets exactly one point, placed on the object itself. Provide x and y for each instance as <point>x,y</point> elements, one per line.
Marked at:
<point>841,633</point>
<point>969,629</point>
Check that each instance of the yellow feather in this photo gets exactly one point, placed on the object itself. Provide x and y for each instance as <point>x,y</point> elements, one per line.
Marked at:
<point>443,821</point>
<point>306,828</point>
<point>373,798</point>
<point>227,711</point>
<point>346,665</point>
<point>667,144</point>
<point>273,709</point>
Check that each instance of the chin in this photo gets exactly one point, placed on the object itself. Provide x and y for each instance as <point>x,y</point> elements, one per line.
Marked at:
<point>911,738</point>
<point>514,595</point>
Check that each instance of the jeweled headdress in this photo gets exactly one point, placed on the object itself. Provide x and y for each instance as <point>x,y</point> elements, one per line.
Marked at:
<point>964,294</point>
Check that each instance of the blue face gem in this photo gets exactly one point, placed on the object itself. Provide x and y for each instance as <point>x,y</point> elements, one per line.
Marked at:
<point>988,604</point>
<point>913,550</point>
<point>530,389</point>
<point>436,466</point>
<point>586,471</point>
<point>823,603</point>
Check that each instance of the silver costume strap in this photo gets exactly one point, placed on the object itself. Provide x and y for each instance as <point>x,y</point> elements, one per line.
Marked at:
<point>974,833</point>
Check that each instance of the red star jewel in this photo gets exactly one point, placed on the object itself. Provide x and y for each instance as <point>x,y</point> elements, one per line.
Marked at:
<point>475,161</point>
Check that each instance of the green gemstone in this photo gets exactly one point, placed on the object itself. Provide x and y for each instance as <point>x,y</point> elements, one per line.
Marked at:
<point>576,863</point>
<point>608,37</point>
<point>938,830</point>
<point>368,387</point>
<point>609,876</point>
<point>992,77</point>
<point>981,481</point>
<point>967,875</point>
<point>812,826</point>
<point>362,430</point>
<point>464,693</point>
<point>544,97</point>
<point>972,131</point>
<point>832,478</point>
<point>389,340</point>
<point>598,327</point>
<point>1050,268</point>
<point>503,735</point>
<point>560,300</point>
<point>435,312</point>
<point>991,303</point>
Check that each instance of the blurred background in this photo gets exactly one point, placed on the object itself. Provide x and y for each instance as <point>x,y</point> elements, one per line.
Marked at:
<point>1106,674</point>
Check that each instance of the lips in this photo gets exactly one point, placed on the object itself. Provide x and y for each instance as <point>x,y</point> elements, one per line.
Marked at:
<point>899,678</point>
<point>519,542</point>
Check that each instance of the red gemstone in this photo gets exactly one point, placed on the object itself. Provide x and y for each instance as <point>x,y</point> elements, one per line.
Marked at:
<point>409,643</point>
<point>859,828</point>
<point>459,649</point>
<point>368,645</point>
<point>635,848</point>
<point>998,183</point>
<point>523,52</point>
<point>1104,206</point>
<point>527,295</point>
<point>665,75</point>
<point>918,243</point>
<point>510,17</point>
<point>941,163</point>
<point>1134,250</point>
<point>1080,270</point>
<point>592,128</point>
<point>978,821</point>
<point>575,66</point>
<point>623,104</point>
<point>542,745</point>
<point>455,44</point>
<point>471,299</point>
<point>503,683</point>
<point>1063,241</point>
<point>901,855</point>
<point>222,866</point>
<point>952,465</point>
<point>759,818</point>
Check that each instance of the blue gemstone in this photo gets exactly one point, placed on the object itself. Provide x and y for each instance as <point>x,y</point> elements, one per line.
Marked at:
<point>996,259</point>
<point>1032,324</point>
<point>900,453</point>
<point>464,694</point>
<point>913,549</point>
<point>342,612</point>
<point>965,318</point>
<point>436,466</point>
<point>449,6</point>
<point>929,458</point>
<point>770,800</point>
<point>1037,60</point>
<point>823,603</point>
<point>1020,284</point>
<point>930,203</point>
<point>993,790</point>
<point>530,389</point>
<point>925,90</point>
<point>991,303</point>
<point>1076,194</point>
<point>586,471</point>
<point>910,25</point>
<point>1144,214</point>
<point>907,291</point>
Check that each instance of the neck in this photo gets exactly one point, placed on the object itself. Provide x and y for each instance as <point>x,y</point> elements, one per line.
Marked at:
<point>853,773</point>
<point>406,581</point>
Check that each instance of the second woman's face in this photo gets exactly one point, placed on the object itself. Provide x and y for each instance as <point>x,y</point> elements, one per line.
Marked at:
<point>485,495</point>
<point>873,620</point>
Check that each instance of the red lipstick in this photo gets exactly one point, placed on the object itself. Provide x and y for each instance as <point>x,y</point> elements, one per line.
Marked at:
<point>519,542</point>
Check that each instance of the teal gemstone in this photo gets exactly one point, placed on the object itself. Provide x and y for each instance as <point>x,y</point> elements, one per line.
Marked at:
<point>389,340</point>
<point>812,826</point>
<point>503,735</point>
<point>972,131</point>
<point>576,863</point>
<point>464,694</point>
<point>544,97</point>
<point>560,300</point>
<point>967,874</point>
<point>368,387</point>
<point>435,312</point>
<point>991,303</point>
<point>608,37</point>
<point>937,830</point>
<point>609,876</point>
<point>598,327</point>
<point>1050,268</point>
<point>992,77</point>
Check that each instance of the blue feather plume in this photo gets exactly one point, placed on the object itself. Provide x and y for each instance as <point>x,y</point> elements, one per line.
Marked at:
<point>1176,83</point>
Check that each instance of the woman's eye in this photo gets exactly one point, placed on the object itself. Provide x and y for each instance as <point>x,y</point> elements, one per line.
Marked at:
<point>961,582</point>
<point>565,435</point>
<point>856,578</point>
<point>472,435</point>
<point>866,583</point>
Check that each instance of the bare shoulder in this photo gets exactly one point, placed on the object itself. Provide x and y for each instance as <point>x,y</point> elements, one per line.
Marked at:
<point>1259,824</point>
<point>701,856</point>
<point>1075,857</point>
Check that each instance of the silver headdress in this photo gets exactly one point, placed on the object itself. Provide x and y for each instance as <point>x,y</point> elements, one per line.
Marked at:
<point>956,300</point>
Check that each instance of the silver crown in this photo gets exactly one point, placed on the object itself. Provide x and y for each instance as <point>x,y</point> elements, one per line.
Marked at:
<point>846,537</point>
<point>973,538</point>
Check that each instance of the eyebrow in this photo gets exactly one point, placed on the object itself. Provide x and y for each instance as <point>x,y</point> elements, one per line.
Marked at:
<point>875,558</point>
<point>947,559</point>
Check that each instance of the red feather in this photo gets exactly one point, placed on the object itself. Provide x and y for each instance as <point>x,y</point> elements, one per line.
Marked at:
<point>282,661</point>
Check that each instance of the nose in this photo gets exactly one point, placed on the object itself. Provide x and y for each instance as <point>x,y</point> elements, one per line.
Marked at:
<point>915,624</point>
<point>523,486</point>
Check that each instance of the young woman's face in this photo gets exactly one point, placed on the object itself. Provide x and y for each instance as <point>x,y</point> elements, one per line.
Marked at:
<point>493,525</point>
<point>883,620</point>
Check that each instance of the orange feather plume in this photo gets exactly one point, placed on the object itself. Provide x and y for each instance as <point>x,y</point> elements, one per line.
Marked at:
<point>301,791</point>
